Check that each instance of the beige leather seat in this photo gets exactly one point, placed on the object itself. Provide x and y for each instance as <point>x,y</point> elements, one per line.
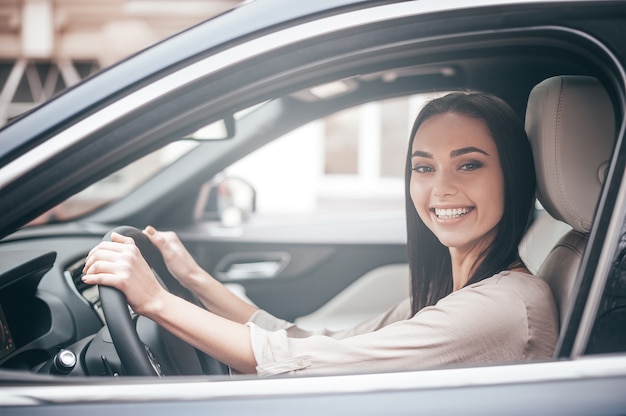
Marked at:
<point>570,124</point>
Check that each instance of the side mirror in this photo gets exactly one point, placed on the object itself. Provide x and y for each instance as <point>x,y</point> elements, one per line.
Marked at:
<point>229,200</point>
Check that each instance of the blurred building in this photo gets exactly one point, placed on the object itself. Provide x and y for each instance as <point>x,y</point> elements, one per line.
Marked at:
<point>49,45</point>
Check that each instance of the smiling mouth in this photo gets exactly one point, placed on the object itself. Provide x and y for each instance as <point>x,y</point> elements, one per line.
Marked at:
<point>450,213</point>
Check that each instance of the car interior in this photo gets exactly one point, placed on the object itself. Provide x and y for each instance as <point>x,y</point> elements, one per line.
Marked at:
<point>548,76</point>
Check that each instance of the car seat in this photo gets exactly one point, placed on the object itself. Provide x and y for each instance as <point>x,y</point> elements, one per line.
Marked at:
<point>570,125</point>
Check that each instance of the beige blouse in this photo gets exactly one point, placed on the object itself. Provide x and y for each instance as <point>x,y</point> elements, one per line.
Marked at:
<point>508,317</point>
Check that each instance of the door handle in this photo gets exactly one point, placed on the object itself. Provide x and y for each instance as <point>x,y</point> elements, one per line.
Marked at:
<point>257,270</point>
<point>242,266</point>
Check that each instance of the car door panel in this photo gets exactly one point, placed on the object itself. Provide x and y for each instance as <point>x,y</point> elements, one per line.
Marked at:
<point>310,276</point>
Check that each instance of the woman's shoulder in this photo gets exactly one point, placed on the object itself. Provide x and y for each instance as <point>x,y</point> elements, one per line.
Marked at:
<point>518,299</point>
<point>501,304</point>
<point>512,279</point>
<point>527,288</point>
<point>511,308</point>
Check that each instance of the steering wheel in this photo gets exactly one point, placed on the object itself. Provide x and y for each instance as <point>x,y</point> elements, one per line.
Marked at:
<point>136,358</point>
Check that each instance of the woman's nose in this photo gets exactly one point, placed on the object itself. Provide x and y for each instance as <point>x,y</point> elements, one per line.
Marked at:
<point>444,184</point>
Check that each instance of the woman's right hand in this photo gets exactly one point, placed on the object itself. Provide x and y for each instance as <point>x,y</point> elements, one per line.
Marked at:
<point>178,260</point>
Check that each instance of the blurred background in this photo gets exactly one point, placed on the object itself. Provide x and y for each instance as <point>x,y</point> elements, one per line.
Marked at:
<point>49,45</point>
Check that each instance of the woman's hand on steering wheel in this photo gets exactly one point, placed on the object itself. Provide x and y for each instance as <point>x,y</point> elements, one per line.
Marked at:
<point>179,261</point>
<point>118,263</point>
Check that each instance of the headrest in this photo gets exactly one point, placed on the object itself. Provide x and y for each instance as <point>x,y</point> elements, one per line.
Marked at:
<point>571,126</point>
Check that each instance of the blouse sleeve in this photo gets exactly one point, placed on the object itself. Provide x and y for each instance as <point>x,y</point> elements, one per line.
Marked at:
<point>480,323</point>
<point>267,321</point>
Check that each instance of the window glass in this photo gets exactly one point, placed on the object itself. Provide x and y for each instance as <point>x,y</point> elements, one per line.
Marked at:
<point>116,185</point>
<point>395,117</point>
<point>341,137</point>
<point>129,178</point>
<point>351,161</point>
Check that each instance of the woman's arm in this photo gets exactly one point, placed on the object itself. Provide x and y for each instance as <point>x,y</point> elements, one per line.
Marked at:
<point>225,340</point>
<point>119,264</point>
<point>213,294</point>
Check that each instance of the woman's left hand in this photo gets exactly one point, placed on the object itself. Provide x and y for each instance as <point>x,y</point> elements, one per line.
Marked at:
<point>119,263</point>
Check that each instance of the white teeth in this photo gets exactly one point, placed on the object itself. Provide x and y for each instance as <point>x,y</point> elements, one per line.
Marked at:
<point>450,212</point>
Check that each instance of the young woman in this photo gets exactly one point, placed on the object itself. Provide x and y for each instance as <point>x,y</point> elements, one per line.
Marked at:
<point>470,189</point>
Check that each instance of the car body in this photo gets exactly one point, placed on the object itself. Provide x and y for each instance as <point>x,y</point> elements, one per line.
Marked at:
<point>255,68</point>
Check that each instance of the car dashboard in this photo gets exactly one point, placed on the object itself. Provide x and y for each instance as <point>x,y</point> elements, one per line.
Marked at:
<point>44,307</point>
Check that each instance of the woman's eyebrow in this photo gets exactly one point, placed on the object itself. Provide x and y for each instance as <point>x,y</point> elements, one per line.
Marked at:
<point>465,150</point>
<point>455,153</point>
<point>419,153</point>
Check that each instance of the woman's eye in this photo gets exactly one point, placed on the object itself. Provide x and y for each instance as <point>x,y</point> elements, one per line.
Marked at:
<point>422,169</point>
<point>473,165</point>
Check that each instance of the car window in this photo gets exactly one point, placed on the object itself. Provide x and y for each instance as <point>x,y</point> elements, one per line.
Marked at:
<point>116,185</point>
<point>351,161</point>
<point>122,182</point>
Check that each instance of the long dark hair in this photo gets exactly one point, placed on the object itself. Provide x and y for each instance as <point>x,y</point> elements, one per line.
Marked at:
<point>429,260</point>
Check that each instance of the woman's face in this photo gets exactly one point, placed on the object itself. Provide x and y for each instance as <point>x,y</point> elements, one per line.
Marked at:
<point>457,185</point>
